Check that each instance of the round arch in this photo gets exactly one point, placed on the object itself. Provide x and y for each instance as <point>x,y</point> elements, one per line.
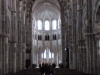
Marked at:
<point>96,8</point>
<point>97,19</point>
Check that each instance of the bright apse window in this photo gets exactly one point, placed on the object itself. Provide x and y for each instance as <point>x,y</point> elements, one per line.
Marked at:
<point>39,25</point>
<point>47,54</point>
<point>54,24</point>
<point>47,25</point>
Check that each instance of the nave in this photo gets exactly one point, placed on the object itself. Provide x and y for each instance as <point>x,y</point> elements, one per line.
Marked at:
<point>56,71</point>
<point>49,31</point>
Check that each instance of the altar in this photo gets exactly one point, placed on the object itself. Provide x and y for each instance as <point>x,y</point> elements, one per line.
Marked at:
<point>47,56</point>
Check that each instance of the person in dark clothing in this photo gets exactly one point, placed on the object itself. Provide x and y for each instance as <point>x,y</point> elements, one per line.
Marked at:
<point>51,69</point>
<point>47,69</point>
<point>40,65</point>
<point>42,70</point>
<point>53,65</point>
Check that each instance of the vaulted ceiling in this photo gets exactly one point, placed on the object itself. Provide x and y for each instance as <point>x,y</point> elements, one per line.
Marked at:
<point>46,9</point>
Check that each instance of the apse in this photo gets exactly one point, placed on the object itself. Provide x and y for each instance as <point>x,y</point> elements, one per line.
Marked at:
<point>46,32</point>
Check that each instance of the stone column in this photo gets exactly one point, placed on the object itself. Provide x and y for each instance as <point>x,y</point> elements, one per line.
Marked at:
<point>37,51</point>
<point>3,62</point>
<point>0,40</point>
<point>17,58</point>
<point>63,28</point>
<point>24,58</point>
<point>74,42</point>
<point>91,41</point>
<point>20,53</point>
<point>51,47</point>
<point>14,55</point>
<point>55,57</point>
<point>32,53</point>
<point>10,56</point>
<point>33,48</point>
<point>6,54</point>
<point>57,44</point>
<point>83,47</point>
<point>89,37</point>
<point>97,67</point>
<point>3,35</point>
<point>94,55</point>
<point>20,48</point>
<point>1,70</point>
<point>0,55</point>
<point>23,17</point>
<point>80,36</point>
<point>43,40</point>
<point>36,58</point>
<point>50,38</point>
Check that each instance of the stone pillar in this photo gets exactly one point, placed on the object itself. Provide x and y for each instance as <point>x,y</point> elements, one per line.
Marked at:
<point>3,35</point>
<point>24,54</point>
<point>33,48</point>
<point>91,53</point>
<point>97,69</point>
<point>36,58</point>
<point>51,47</point>
<point>20,55</point>
<point>20,43</point>
<point>94,54</point>
<point>37,51</point>
<point>1,54</point>
<point>74,43</point>
<point>6,57</point>
<point>10,57</point>
<point>17,57</point>
<point>4,54</point>
<point>0,40</point>
<point>83,55</point>
<point>32,53</point>
<point>57,59</point>
<point>19,49</point>
<point>89,37</point>
<point>63,35</point>
<point>14,55</point>
<point>3,61</point>
<point>43,41</point>
<point>80,35</point>
<point>51,40</point>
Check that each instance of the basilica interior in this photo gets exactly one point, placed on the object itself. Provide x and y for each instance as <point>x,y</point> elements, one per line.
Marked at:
<point>50,31</point>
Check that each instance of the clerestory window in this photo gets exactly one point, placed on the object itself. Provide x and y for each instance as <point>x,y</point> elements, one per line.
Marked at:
<point>47,25</point>
<point>54,24</point>
<point>39,25</point>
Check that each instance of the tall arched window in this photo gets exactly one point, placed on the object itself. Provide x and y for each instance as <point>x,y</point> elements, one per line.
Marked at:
<point>47,54</point>
<point>47,25</point>
<point>54,24</point>
<point>39,25</point>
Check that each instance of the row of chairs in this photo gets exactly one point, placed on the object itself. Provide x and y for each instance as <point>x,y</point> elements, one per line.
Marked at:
<point>64,71</point>
<point>56,71</point>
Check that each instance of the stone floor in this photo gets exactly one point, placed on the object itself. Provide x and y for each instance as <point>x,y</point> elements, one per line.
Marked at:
<point>56,71</point>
